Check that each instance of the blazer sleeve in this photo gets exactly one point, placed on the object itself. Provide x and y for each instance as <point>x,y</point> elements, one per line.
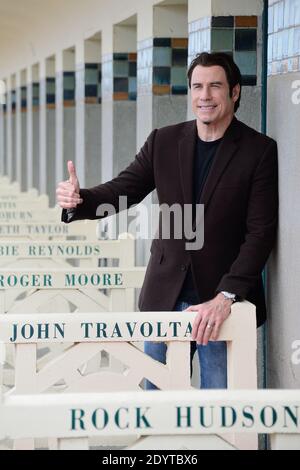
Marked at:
<point>135,182</point>
<point>261,228</point>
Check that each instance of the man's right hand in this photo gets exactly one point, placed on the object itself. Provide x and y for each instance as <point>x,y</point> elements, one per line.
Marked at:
<point>67,192</point>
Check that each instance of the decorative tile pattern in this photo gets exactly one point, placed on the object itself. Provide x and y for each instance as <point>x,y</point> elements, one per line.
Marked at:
<point>124,76</point>
<point>162,66</point>
<point>50,92</point>
<point>35,95</point>
<point>23,98</point>
<point>13,101</point>
<point>92,83</point>
<point>284,36</point>
<point>4,103</point>
<point>235,35</point>
<point>69,88</point>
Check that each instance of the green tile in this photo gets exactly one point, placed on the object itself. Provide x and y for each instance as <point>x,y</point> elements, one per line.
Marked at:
<point>121,68</point>
<point>162,56</point>
<point>91,76</point>
<point>246,61</point>
<point>178,76</point>
<point>222,39</point>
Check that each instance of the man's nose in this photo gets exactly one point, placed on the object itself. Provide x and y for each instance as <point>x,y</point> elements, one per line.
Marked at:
<point>205,94</point>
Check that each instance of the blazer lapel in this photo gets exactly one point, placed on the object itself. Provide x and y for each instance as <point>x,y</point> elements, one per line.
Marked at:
<point>224,154</point>
<point>186,152</point>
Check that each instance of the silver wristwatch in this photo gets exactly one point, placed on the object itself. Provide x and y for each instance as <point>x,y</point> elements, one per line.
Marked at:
<point>229,295</point>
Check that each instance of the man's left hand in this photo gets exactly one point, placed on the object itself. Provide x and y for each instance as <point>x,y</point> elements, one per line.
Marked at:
<point>210,318</point>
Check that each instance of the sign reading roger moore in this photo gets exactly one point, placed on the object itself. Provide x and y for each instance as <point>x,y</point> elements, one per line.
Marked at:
<point>76,278</point>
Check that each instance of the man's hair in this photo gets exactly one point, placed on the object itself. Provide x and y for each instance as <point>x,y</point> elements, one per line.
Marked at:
<point>225,61</point>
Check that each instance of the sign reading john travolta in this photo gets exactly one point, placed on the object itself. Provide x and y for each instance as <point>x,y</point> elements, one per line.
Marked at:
<point>147,413</point>
<point>51,249</point>
<point>76,278</point>
<point>94,327</point>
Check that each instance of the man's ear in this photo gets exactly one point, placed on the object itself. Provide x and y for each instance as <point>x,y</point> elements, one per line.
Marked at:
<point>236,92</point>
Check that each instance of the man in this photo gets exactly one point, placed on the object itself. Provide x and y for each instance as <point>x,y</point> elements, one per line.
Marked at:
<point>230,168</point>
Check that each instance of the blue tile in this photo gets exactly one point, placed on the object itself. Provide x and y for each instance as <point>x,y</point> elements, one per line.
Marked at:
<point>285,43</point>
<point>297,41</point>
<point>91,76</point>
<point>286,14</point>
<point>91,66</point>
<point>179,90</point>
<point>120,84</point>
<point>246,61</point>
<point>222,21</point>
<point>297,13</point>
<point>179,57</point>
<point>132,69</point>
<point>249,80</point>
<point>91,90</point>
<point>120,56</point>
<point>161,75</point>
<point>291,42</point>
<point>50,99</point>
<point>69,95</point>
<point>162,56</point>
<point>121,68</point>
<point>280,15</point>
<point>245,39</point>
<point>132,84</point>
<point>222,39</point>
<point>132,96</point>
<point>271,19</point>
<point>275,17</point>
<point>178,76</point>
<point>270,47</point>
<point>280,45</point>
<point>162,42</point>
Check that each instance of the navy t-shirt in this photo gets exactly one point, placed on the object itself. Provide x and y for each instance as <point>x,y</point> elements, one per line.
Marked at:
<point>204,155</point>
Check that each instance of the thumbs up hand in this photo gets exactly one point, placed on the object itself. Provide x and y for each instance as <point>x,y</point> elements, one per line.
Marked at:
<point>67,192</point>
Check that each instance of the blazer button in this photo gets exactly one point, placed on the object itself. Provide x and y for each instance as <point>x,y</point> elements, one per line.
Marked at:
<point>183,267</point>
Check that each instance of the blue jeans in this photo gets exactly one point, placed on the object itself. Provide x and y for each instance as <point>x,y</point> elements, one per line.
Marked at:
<point>213,359</point>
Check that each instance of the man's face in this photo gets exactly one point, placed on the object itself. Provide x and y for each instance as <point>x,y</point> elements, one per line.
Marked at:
<point>211,102</point>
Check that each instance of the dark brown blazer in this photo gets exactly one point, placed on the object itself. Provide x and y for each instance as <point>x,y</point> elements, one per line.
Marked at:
<point>240,197</point>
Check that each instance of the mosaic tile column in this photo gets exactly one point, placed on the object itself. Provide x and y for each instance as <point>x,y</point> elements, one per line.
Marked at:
<point>35,130</point>
<point>59,118</point>
<point>50,137</point>
<point>12,161</point>
<point>42,186</point>
<point>29,129</point>
<point>23,136</point>
<point>93,123</point>
<point>107,118</point>
<point>162,76</point>
<point>124,109</point>
<point>241,37</point>
<point>2,133</point>
<point>80,113</point>
<point>69,118</point>
<point>18,134</point>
